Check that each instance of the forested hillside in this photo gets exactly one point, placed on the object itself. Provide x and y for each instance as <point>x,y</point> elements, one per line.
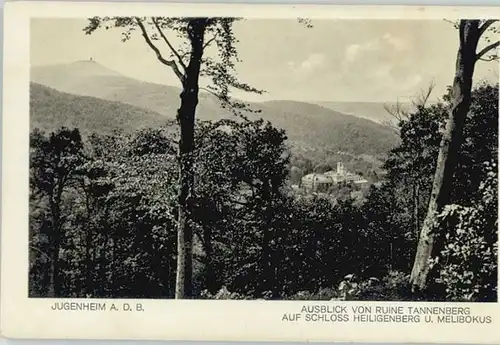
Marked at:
<point>374,111</point>
<point>308,126</point>
<point>51,109</point>
<point>114,218</point>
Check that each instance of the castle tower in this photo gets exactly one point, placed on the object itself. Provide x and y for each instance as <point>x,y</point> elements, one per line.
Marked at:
<point>340,168</point>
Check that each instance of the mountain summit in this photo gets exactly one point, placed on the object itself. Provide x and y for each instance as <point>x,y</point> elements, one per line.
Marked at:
<point>90,78</point>
<point>78,69</point>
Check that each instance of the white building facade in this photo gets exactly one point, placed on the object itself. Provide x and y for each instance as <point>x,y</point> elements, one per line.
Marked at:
<point>322,182</point>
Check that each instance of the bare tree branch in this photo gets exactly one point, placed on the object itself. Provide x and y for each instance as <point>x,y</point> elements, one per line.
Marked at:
<point>162,34</point>
<point>453,22</point>
<point>209,41</point>
<point>396,111</point>
<point>399,113</point>
<point>239,202</point>
<point>170,63</point>
<point>42,253</point>
<point>486,25</point>
<point>424,96</point>
<point>487,49</point>
<point>210,91</point>
<point>225,101</point>
<point>390,124</point>
<point>491,58</point>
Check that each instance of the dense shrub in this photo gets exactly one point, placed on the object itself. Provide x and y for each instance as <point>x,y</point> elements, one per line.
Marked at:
<point>222,294</point>
<point>468,263</point>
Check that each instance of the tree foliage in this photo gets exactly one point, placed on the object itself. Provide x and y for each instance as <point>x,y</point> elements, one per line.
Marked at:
<point>467,265</point>
<point>168,38</point>
<point>471,33</point>
<point>189,61</point>
<point>254,237</point>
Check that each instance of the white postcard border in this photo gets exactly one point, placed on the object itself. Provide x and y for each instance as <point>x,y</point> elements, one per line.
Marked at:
<point>22,317</point>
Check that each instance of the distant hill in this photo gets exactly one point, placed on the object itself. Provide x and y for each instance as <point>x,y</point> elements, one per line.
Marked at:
<point>89,78</point>
<point>308,126</point>
<point>373,111</point>
<point>312,126</point>
<point>50,109</point>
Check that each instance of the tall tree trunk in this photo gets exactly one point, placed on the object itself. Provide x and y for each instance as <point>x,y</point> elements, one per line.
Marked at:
<point>52,268</point>
<point>186,120</point>
<point>267,278</point>
<point>416,205</point>
<point>55,238</point>
<point>450,144</point>
<point>211,282</point>
<point>109,290</point>
<point>88,288</point>
<point>99,287</point>
<point>266,260</point>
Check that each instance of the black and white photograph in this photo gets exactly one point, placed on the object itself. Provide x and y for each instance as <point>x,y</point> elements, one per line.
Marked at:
<point>232,158</point>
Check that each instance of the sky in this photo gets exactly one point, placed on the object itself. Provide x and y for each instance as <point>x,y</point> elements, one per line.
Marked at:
<point>335,60</point>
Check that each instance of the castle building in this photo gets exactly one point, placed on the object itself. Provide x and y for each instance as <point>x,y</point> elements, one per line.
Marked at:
<point>322,182</point>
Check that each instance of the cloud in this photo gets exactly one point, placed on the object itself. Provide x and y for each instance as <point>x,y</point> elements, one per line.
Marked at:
<point>383,71</point>
<point>355,51</point>
<point>386,43</point>
<point>412,82</point>
<point>351,52</point>
<point>311,63</point>
<point>385,62</point>
<point>391,76</point>
<point>397,43</point>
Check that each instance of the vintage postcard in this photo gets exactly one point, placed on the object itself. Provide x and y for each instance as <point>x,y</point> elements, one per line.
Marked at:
<point>250,172</point>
